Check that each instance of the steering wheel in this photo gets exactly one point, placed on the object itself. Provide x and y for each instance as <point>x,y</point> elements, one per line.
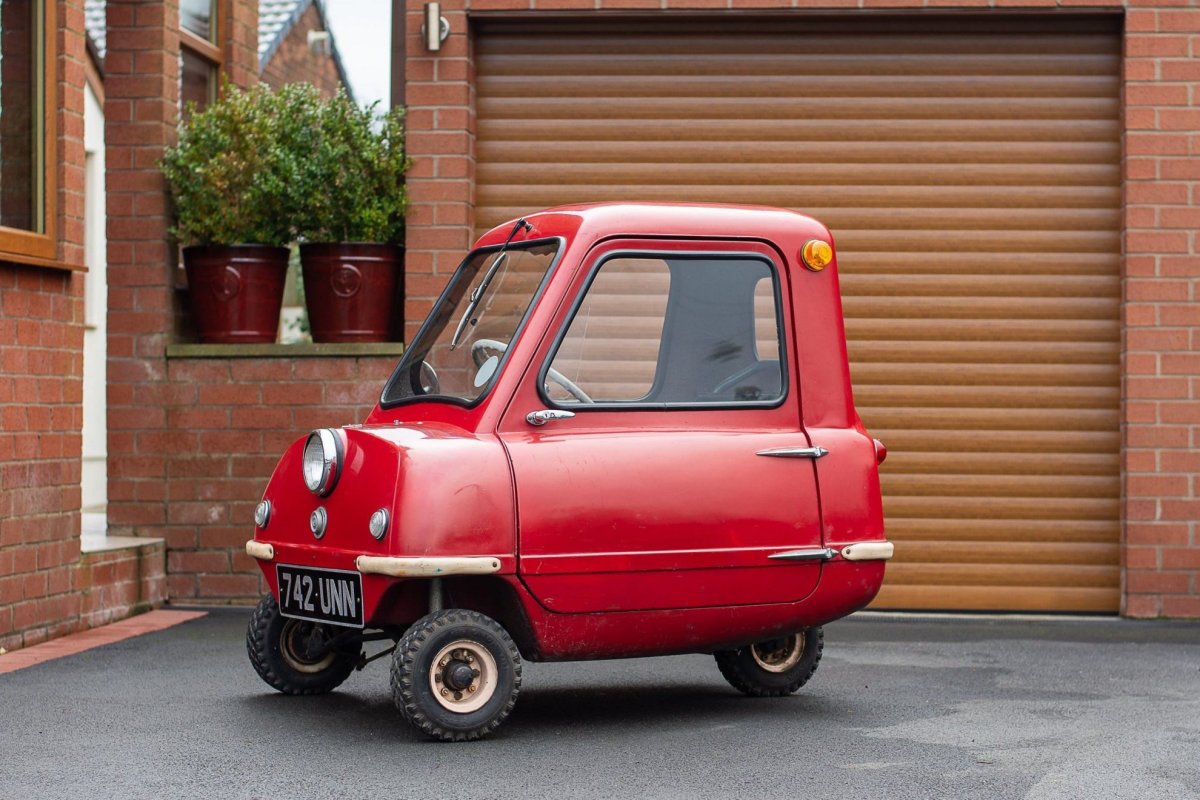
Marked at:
<point>479,354</point>
<point>424,379</point>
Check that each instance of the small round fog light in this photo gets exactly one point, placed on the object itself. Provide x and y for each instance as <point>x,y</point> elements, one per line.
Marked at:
<point>317,521</point>
<point>379,523</point>
<point>262,514</point>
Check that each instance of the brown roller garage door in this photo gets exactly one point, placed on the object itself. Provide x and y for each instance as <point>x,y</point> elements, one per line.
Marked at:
<point>969,170</point>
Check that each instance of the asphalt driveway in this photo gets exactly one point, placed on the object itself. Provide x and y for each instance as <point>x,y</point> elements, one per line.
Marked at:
<point>900,707</point>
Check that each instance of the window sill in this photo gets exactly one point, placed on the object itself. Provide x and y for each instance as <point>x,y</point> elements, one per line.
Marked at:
<point>35,261</point>
<point>304,350</point>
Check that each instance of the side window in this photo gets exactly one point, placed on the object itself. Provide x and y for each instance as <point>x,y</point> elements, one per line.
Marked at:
<point>672,331</point>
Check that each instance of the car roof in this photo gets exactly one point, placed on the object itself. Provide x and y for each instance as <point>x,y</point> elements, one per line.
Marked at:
<point>606,220</point>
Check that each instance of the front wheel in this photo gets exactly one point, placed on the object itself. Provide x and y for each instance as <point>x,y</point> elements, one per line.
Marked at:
<point>775,667</point>
<point>292,655</point>
<point>456,675</point>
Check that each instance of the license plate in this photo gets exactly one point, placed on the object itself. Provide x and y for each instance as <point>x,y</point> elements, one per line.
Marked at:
<point>320,595</point>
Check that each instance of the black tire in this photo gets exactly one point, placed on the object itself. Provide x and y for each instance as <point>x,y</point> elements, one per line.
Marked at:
<point>775,667</point>
<point>272,641</point>
<point>445,649</point>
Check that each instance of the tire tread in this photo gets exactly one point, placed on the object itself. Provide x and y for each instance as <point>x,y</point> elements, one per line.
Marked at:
<point>266,661</point>
<point>404,667</point>
<point>738,667</point>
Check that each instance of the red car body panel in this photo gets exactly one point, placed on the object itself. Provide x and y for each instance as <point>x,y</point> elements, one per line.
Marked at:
<point>620,532</point>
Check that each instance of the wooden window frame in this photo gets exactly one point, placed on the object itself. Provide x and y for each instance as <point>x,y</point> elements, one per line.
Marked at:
<point>40,247</point>
<point>209,50</point>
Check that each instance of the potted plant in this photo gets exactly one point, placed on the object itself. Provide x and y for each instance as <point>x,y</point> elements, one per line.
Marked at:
<point>348,201</point>
<point>227,177</point>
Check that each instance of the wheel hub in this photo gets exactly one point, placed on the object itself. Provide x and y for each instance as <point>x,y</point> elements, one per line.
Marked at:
<point>459,675</point>
<point>778,655</point>
<point>463,676</point>
<point>304,646</point>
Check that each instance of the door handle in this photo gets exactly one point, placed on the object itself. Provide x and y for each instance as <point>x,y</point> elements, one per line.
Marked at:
<point>794,452</point>
<point>540,418</point>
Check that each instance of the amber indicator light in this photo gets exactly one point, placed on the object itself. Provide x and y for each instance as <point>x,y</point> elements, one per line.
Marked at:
<point>816,254</point>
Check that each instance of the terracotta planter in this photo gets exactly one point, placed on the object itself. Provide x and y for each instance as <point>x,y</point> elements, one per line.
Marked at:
<point>236,291</point>
<point>352,290</point>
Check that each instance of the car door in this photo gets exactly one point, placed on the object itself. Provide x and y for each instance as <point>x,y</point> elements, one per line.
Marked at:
<point>655,441</point>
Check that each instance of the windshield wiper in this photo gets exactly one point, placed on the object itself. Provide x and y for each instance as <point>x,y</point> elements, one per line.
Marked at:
<point>478,292</point>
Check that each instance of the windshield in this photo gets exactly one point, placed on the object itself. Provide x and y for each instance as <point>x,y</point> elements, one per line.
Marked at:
<point>460,347</point>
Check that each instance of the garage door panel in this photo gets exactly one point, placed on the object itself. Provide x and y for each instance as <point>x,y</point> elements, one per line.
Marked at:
<point>950,531</point>
<point>992,598</point>
<point>727,160</point>
<point>784,87</point>
<point>795,130</point>
<point>998,352</point>
<point>969,169</point>
<point>858,108</point>
<point>1029,397</point>
<point>960,330</point>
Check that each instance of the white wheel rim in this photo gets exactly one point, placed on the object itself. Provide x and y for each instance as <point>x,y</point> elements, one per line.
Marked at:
<point>483,682</point>
<point>287,645</point>
<point>779,655</point>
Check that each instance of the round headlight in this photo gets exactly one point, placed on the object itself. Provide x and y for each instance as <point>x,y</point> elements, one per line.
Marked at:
<point>262,514</point>
<point>322,461</point>
<point>379,523</point>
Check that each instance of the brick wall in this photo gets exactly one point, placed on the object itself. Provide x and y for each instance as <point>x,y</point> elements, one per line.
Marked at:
<point>229,421</point>
<point>41,343</point>
<point>113,584</point>
<point>1161,442</point>
<point>1161,316</point>
<point>145,309</point>
<point>294,62</point>
<point>141,102</point>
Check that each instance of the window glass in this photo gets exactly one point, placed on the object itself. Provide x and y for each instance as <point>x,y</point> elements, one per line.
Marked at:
<point>766,324</point>
<point>197,16</point>
<point>612,345</point>
<point>20,126</point>
<point>197,79</point>
<point>671,331</point>
<point>458,353</point>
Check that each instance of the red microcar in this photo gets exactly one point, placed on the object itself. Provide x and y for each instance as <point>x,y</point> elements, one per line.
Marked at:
<point>624,430</point>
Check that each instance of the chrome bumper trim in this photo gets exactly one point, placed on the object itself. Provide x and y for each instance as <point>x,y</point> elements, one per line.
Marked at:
<point>260,550</point>
<point>426,567</point>
<point>868,551</point>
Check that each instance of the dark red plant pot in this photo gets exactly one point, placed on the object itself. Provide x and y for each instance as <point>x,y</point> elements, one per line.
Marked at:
<point>236,291</point>
<point>351,290</point>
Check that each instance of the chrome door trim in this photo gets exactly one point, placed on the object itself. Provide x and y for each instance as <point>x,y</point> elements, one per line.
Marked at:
<point>794,452</point>
<point>814,554</point>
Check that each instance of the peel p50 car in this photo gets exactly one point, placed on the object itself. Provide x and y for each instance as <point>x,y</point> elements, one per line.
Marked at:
<point>624,430</point>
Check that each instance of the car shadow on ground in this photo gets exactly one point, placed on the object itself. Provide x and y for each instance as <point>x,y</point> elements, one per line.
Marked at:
<point>550,710</point>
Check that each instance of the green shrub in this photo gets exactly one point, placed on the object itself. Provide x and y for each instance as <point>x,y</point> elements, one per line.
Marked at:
<point>267,167</point>
<point>229,171</point>
<point>349,180</point>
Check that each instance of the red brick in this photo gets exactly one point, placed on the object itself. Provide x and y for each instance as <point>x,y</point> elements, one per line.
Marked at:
<point>1139,582</point>
<point>1141,558</point>
<point>1181,607</point>
<point>1178,21</point>
<point>1181,558</point>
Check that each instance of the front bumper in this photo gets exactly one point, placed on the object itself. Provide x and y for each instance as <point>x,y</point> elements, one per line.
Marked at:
<point>402,567</point>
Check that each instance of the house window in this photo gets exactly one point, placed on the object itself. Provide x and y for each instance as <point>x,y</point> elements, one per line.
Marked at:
<point>26,131</point>
<point>199,52</point>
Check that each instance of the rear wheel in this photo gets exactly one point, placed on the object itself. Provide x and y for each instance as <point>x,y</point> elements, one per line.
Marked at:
<point>293,655</point>
<point>456,675</point>
<point>773,667</point>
